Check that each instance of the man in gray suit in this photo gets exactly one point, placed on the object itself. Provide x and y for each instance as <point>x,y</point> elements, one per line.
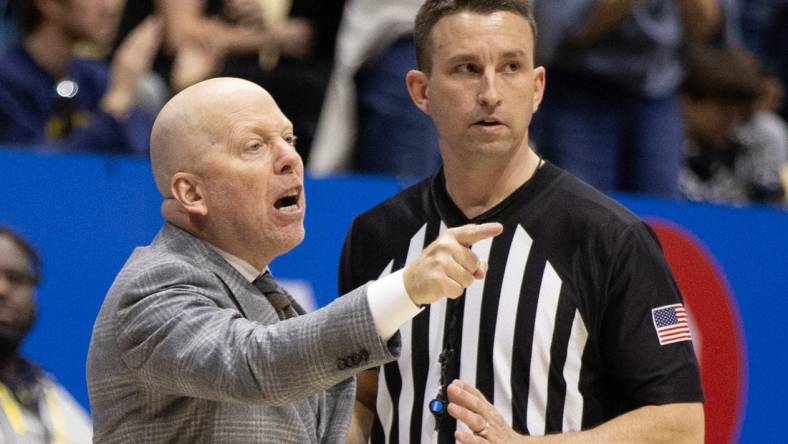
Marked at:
<point>195,342</point>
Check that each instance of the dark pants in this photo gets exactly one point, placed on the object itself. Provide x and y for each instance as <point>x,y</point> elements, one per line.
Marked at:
<point>394,136</point>
<point>614,140</point>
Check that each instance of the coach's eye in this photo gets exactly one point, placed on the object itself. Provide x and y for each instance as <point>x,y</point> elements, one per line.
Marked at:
<point>254,147</point>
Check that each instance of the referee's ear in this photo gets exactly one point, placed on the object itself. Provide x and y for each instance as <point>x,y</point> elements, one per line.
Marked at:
<point>417,88</point>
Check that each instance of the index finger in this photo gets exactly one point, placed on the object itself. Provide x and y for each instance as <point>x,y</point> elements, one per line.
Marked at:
<point>468,235</point>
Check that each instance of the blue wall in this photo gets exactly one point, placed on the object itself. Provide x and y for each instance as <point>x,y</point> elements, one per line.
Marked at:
<point>86,214</point>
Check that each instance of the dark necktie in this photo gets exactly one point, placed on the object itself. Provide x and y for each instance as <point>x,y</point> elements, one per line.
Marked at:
<point>276,295</point>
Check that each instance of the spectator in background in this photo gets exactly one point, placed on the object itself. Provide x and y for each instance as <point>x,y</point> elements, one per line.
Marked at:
<point>765,32</point>
<point>285,46</point>
<point>368,123</point>
<point>768,130</point>
<point>33,407</point>
<point>712,22</point>
<point>736,144</point>
<point>612,115</point>
<point>50,97</point>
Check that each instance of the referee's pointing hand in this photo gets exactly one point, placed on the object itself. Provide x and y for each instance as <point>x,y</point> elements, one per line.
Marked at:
<point>447,266</point>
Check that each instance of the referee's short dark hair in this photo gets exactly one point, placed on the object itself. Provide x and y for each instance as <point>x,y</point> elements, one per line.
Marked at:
<point>33,259</point>
<point>433,10</point>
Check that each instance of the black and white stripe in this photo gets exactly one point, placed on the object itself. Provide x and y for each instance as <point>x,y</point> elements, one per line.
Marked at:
<point>509,346</point>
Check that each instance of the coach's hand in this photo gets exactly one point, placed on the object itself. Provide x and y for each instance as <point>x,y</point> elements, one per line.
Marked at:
<point>447,266</point>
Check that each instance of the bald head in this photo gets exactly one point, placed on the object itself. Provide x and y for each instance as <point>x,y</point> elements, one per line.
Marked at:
<point>196,120</point>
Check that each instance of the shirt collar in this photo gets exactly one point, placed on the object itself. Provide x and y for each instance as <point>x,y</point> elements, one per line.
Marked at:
<point>245,268</point>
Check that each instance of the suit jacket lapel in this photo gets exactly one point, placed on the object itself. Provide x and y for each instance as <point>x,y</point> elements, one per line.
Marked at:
<point>250,301</point>
<point>245,296</point>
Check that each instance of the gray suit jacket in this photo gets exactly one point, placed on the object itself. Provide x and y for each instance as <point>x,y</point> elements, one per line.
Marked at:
<point>186,350</point>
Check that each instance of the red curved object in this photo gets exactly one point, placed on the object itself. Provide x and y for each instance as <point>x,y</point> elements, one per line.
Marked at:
<point>710,302</point>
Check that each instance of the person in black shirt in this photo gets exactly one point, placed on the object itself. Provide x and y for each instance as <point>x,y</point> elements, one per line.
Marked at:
<point>578,327</point>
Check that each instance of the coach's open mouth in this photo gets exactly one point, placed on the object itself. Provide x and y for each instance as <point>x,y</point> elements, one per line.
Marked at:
<point>290,200</point>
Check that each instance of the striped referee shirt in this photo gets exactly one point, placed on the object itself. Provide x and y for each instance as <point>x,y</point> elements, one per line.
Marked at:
<point>559,336</point>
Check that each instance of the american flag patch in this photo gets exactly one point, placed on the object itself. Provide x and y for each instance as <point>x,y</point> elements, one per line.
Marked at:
<point>671,324</point>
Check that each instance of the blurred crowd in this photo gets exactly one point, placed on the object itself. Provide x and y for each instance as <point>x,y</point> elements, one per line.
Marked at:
<point>34,407</point>
<point>662,97</point>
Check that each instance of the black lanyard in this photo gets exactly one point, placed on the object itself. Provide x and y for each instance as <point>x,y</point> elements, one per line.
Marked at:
<point>438,405</point>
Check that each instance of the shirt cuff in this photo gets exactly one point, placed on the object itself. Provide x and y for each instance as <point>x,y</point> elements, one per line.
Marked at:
<point>390,304</point>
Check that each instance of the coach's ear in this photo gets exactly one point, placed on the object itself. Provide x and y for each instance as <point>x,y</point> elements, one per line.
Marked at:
<point>187,189</point>
<point>417,88</point>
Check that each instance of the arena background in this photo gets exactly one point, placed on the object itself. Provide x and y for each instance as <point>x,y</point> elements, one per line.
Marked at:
<point>86,214</point>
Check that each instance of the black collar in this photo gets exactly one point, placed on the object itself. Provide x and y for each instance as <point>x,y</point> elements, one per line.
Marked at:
<point>524,195</point>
